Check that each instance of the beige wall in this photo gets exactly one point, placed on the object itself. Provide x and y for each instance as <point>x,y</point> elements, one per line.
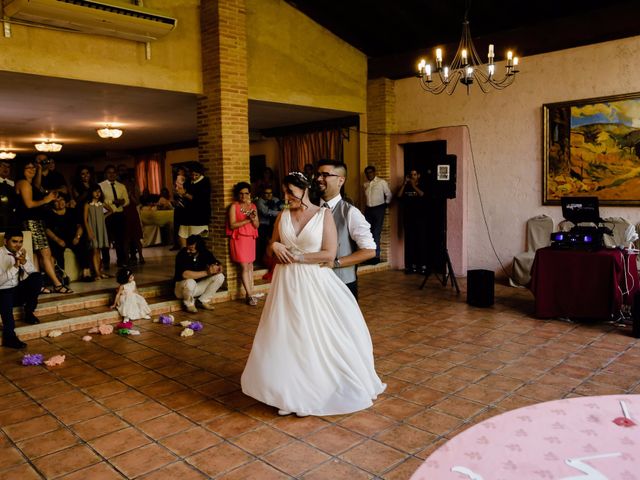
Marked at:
<point>506,136</point>
<point>174,64</point>
<point>293,60</point>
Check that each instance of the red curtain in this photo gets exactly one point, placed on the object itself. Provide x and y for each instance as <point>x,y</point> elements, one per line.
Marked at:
<point>149,172</point>
<point>298,150</point>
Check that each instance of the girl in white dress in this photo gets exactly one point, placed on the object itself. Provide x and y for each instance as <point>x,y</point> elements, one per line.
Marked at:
<point>130,304</point>
<point>312,352</point>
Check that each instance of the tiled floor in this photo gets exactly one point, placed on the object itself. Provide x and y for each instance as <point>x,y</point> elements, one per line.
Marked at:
<point>159,406</point>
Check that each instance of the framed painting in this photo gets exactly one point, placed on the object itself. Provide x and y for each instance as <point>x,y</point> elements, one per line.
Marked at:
<point>592,147</point>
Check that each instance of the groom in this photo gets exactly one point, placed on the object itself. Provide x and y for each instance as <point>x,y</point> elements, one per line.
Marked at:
<point>355,242</point>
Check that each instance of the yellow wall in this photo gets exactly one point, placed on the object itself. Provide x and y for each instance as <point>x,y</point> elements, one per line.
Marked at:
<point>174,65</point>
<point>294,60</point>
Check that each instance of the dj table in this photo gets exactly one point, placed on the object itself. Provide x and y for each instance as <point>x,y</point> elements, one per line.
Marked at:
<point>582,284</point>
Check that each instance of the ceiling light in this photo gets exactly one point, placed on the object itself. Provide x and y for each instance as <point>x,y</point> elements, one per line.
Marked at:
<point>4,155</point>
<point>47,146</point>
<point>465,68</point>
<point>108,132</point>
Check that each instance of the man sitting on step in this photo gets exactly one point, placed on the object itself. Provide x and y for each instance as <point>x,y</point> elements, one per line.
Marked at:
<point>20,284</point>
<point>198,275</point>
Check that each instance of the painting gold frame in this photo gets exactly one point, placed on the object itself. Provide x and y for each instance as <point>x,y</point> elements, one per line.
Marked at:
<point>592,147</point>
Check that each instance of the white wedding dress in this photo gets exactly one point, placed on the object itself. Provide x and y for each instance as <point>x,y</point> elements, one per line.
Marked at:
<point>312,352</point>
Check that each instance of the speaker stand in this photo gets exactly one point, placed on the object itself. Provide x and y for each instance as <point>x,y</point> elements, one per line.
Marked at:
<point>447,275</point>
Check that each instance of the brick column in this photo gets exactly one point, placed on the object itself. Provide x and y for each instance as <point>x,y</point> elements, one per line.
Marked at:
<point>381,119</point>
<point>223,129</point>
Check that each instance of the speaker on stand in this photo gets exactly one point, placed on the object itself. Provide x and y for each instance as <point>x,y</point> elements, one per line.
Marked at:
<point>480,288</point>
<point>441,185</point>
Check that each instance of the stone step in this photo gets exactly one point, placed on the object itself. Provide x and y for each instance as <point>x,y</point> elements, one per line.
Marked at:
<point>84,311</point>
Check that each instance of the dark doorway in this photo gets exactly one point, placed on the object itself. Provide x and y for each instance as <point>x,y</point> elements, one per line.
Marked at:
<point>431,218</point>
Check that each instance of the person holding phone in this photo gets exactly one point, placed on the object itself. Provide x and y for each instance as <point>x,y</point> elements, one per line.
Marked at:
<point>411,195</point>
<point>20,284</point>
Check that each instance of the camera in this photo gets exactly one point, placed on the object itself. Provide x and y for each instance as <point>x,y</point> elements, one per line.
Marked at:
<point>45,162</point>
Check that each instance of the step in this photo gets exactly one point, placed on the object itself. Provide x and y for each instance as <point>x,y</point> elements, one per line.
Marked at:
<point>83,311</point>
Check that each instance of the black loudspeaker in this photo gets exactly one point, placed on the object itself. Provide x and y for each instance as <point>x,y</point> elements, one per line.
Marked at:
<point>480,288</point>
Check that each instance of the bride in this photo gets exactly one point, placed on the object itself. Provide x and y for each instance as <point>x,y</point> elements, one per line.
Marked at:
<point>312,352</point>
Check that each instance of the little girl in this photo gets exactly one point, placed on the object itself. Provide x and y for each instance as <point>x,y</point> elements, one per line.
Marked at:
<point>130,304</point>
<point>94,224</point>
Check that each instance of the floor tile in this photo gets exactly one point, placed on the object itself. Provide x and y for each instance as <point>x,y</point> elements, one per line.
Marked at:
<point>373,457</point>
<point>257,470</point>
<point>336,469</point>
<point>32,428</point>
<point>165,425</point>
<point>262,440</point>
<point>334,439</point>
<point>21,472</point>
<point>219,459</point>
<point>295,458</point>
<point>142,460</point>
<point>116,443</point>
<point>48,443</point>
<point>98,426</point>
<point>66,461</point>
<point>99,471</point>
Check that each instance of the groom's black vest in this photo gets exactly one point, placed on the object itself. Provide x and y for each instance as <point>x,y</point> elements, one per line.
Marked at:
<point>346,246</point>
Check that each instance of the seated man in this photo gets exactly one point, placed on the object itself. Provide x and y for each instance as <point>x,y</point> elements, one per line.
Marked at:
<point>20,284</point>
<point>198,275</point>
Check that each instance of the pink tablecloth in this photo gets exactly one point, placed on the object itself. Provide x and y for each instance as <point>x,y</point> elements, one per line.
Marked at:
<point>570,439</point>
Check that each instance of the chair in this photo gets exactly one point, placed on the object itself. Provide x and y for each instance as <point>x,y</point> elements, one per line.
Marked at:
<point>539,230</point>
<point>618,226</point>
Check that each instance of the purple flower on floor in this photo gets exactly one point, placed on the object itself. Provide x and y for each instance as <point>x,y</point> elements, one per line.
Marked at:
<point>32,359</point>
<point>195,326</point>
<point>166,319</point>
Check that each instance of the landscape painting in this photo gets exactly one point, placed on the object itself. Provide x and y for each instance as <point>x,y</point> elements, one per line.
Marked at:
<point>592,147</point>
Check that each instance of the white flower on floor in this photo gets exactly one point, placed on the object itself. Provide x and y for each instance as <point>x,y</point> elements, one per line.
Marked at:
<point>93,330</point>
<point>54,333</point>
<point>185,323</point>
<point>87,338</point>
<point>187,332</point>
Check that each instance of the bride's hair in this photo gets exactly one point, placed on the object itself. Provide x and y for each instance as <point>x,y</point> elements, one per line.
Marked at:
<point>297,179</point>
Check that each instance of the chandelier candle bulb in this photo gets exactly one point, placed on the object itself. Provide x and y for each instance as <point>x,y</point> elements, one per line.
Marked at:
<point>427,70</point>
<point>438,54</point>
<point>446,73</point>
<point>491,54</point>
<point>464,56</point>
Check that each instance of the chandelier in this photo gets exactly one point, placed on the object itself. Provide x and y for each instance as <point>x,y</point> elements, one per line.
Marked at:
<point>48,146</point>
<point>108,132</point>
<point>5,155</point>
<point>466,68</point>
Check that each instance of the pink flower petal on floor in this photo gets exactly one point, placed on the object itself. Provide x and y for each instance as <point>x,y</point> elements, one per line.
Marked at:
<point>94,330</point>
<point>54,333</point>
<point>55,360</point>
<point>105,329</point>
<point>87,338</point>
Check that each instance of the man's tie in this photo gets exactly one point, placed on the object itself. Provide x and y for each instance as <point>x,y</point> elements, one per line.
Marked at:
<point>325,205</point>
<point>115,195</point>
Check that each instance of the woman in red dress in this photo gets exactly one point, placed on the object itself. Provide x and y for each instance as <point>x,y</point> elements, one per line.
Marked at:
<point>242,229</point>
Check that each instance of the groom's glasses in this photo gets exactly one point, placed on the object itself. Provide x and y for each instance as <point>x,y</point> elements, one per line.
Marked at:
<point>326,174</point>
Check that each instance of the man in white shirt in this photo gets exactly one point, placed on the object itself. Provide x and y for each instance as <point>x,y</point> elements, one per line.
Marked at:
<point>116,196</point>
<point>378,197</point>
<point>20,284</point>
<point>355,243</point>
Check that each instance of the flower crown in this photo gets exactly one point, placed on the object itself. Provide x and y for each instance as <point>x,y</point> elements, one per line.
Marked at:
<point>301,177</point>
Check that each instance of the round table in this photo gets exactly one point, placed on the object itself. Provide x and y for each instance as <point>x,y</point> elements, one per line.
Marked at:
<point>569,439</point>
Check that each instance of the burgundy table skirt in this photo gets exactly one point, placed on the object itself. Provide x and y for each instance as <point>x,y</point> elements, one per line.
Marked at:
<point>582,284</point>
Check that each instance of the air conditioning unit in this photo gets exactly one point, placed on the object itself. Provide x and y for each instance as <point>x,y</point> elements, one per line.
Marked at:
<point>113,18</point>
